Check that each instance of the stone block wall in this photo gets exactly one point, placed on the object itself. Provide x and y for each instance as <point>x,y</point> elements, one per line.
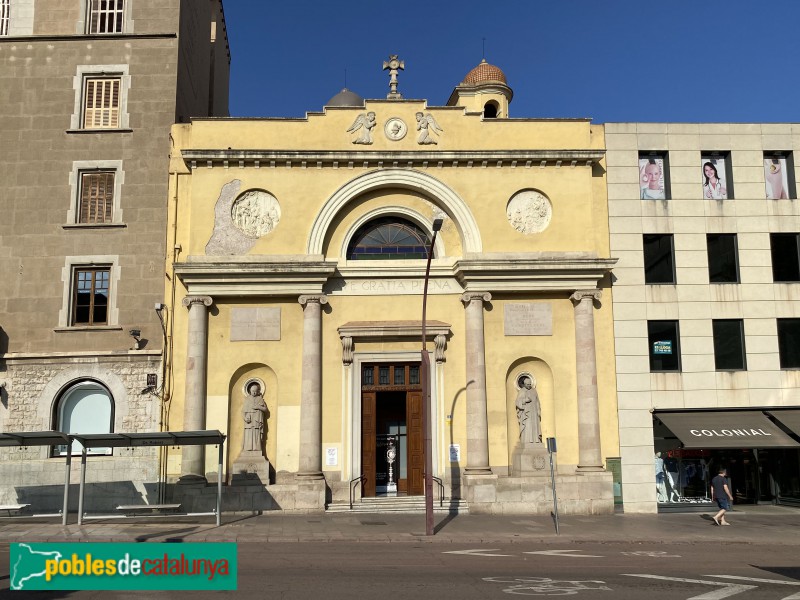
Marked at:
<point>33,385</point>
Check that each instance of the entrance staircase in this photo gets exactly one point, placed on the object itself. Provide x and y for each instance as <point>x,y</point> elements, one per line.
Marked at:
<point>399,504</point>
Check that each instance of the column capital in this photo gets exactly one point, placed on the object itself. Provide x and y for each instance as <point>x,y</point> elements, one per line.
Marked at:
<point>205,300</point>
<point>468,297</point>
<point>312,298</point>
<point>579,295</point>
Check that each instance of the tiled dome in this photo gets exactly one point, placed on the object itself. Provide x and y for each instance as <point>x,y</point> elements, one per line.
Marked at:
<point>485,72</point>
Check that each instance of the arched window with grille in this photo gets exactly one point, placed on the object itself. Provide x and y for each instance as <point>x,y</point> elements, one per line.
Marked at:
<point>84,407</point>
<point>389,238</point>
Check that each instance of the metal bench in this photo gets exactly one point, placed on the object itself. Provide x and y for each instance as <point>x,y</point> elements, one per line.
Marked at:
<point>138,509</point>
<point>13,508</point>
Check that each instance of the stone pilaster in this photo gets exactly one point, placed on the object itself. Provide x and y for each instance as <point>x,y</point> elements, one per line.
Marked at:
<point>311,388</point>
<point>194,404</point>
<point>477,419</point>
<point>589,452</point>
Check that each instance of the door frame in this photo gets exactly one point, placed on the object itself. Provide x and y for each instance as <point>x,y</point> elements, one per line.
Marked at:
<point>353,402</point>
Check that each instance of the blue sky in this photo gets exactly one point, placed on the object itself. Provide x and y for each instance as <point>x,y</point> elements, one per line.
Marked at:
<point>611,60</point>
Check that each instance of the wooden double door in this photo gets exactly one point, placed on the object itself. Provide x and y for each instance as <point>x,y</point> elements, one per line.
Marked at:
<point>392,413</point>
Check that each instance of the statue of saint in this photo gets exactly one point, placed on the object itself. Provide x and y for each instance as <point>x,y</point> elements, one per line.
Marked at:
<point>254,411</point>
<point>529,414</point>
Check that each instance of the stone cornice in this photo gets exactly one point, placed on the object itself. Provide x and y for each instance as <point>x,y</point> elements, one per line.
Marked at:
<point>397,329</point>
<point>255,276</point>
<point>346,159</point>
<point>531,272</point>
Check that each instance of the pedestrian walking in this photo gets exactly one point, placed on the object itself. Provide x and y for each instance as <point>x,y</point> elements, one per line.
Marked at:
<point>722,494</point>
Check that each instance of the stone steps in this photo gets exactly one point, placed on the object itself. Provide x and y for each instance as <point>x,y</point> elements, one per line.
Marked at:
<point>399,504</point>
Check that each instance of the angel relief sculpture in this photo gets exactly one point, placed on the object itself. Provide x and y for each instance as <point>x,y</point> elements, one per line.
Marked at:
<point>364,122</point>
<point>425,125</point>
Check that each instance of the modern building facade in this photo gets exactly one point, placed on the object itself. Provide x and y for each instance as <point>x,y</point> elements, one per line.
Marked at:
<point>88,92</point>
<point>704,221</point>
<point>299,266</point>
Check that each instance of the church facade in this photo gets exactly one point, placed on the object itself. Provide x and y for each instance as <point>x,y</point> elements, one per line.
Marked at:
<point>299,265</point>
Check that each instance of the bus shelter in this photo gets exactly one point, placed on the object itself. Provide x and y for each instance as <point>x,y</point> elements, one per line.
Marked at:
<point>157,438</point>
<point>43,438</point>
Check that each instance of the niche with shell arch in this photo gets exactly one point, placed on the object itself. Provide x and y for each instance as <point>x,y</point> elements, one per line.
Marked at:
<point>236,390</point>
<point>541,373</point>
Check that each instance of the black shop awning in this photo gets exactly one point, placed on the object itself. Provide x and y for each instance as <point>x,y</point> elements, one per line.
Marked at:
<point>725,429</point>
<point>790,418</point>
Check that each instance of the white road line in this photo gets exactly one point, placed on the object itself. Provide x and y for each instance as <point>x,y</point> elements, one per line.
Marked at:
<point>564,553</point>
<point>757,580</point>
<point>729,589</point>
<point>477,552</point>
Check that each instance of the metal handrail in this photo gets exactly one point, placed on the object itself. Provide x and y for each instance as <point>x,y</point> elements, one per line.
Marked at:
<point>441,490</point>
<point>353,485</point>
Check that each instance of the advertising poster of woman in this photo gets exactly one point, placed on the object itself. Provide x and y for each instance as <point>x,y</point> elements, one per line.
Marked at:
<point>776,178</point>
<point>714,182</point>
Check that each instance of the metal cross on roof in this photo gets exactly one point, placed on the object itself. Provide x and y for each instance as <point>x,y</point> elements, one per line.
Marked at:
<point>394,65</point>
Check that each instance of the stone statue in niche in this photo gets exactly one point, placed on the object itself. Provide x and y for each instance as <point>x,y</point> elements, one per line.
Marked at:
<point>365,122</point>
<point>425,125</point>
<point>254,411</point>
<point>529,212</point>
<point>529,414</point>
<point>255,213</point>
<point>251,467</point>
<point>529,457</point>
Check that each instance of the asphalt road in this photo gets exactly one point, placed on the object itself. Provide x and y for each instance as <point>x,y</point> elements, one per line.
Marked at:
<point>422,571</point>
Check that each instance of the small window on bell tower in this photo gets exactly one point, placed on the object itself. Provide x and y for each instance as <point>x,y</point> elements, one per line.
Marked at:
<point>490,110</point>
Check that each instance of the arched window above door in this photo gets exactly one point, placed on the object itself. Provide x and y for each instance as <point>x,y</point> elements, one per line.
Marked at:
<point>388,238</point>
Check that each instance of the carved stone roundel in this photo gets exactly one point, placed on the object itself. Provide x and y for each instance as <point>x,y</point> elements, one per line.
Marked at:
<point>255,213</point>
<point>529,211</point>
<point>395,129</point>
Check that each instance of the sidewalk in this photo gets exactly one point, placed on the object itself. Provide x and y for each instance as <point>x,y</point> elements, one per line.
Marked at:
<point>774,525</point>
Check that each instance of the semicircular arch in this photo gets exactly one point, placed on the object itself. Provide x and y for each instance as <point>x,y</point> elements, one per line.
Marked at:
<point>439,193</point>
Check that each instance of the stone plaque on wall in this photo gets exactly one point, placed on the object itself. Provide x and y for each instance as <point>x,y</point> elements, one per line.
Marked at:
<point>529,318</point>
<point>255,324</point>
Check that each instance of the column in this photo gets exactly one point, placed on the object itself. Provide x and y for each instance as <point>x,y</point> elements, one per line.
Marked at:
<point>193,466</point>
<point>477,419</point>
<point>589,453</point>
<point>311,388</point>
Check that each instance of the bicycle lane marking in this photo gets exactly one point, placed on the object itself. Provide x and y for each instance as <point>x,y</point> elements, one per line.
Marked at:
<point>544,586</point>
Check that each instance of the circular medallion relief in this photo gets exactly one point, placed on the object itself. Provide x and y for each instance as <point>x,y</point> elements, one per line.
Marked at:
<point>255,213</point>
<point>395,129</point>
<point>529,211</point>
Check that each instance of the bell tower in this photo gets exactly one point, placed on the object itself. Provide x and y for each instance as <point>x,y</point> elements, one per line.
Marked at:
<point>483,90</point>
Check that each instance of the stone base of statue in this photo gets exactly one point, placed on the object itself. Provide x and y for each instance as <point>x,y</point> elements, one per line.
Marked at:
<point>530,460</point>
<point>250,468</point>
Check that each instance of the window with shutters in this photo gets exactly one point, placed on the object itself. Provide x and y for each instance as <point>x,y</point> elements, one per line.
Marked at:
<point>90,295</point>
<point>106,16</point>
<point>101,105</point>
<point>95,194</point>
<point>97,197</point>
<point>5,10</point>
<point>101,99</point>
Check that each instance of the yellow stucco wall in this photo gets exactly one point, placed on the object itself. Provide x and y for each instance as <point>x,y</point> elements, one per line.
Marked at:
<point>579,224</point>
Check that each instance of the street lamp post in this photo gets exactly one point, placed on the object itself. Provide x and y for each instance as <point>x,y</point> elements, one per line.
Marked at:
<point>425,367</point>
